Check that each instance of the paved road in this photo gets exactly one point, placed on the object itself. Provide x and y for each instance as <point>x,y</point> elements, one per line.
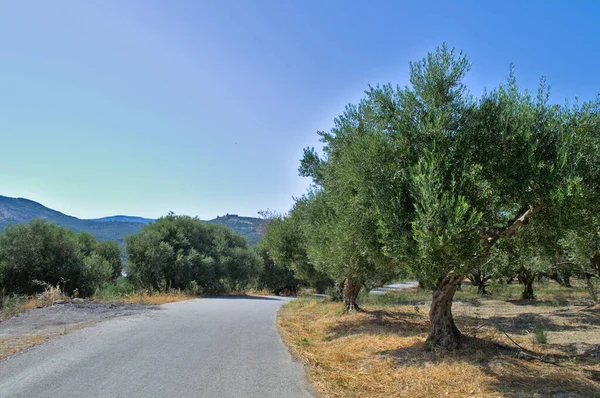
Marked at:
<point>394,287</point>
<point>221,347</point>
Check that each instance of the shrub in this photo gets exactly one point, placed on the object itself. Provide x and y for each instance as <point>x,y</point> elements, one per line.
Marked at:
<point>115,291</point>
<point>176,250</point>
<point>110,251</point>
<point>39,251</point>
<point>96,272</point>
<point>540,336</point>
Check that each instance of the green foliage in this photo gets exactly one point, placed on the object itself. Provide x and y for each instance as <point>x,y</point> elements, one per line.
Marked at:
<point>274,276</point>
<point>96,272</point>
<point>285,244</point>
<point>111,252</point>
<point>39,251</point>
<point>116,290</point>
<point>444,176</point>
<point>540,336</point>
<point>41,254</point>
<point>86,243</point>
<point>176,250</point>
<point>445,184</point>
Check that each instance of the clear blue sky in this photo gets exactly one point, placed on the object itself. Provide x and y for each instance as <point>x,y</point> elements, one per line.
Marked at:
<point>203,107</point>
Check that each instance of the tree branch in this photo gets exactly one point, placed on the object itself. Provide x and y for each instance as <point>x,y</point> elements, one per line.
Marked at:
<point>517,223</point>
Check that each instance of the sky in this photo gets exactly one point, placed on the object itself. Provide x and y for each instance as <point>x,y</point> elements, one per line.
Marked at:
<point>203,107</point>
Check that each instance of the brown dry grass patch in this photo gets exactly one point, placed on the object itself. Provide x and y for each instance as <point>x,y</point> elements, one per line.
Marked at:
<point>15,305</point>
<point>381,353</point>
<point>155,298</point>
<point>12,345</point>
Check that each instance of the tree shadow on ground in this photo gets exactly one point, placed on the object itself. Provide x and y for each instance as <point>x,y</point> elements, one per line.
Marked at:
<point>379,322</point>
<point>587,316</point>
<point>526,322</point>
<point>539,303</point>
<point>511,375</point>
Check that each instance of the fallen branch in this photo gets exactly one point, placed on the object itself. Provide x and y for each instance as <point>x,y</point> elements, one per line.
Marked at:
<point>523,352</point>
<point>514,342</point>
<point>531,356</point>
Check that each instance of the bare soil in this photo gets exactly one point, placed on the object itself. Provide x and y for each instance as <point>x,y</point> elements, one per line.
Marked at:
<point>381,351</point>
<point>39,325</point>
<point>572,330</point>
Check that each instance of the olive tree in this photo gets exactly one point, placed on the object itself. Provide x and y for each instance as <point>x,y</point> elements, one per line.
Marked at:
<point>450,176</point>
<point>286,244</point>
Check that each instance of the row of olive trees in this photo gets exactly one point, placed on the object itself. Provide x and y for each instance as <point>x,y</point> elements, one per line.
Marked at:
<point>430,181</point>
<point>40,253</point>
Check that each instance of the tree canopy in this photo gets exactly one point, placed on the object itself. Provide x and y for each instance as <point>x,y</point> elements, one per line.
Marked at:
<point>431,180</point>
<point>175,251</point>
<point>41,253</point>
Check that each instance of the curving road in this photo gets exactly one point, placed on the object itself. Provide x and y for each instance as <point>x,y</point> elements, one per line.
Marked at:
<point>219,347</point>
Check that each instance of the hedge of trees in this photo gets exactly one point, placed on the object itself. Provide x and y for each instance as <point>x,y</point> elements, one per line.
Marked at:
<point>429,181</point>
<point>175,252</point>
<point>41,253</point>
<point>182,252</point>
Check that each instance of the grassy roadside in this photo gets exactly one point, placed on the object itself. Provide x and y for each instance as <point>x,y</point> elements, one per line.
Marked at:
<point>381,352</point>
<point>15,305</point>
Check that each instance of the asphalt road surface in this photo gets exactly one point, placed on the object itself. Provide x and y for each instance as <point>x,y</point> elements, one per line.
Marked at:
<point>219,347</point>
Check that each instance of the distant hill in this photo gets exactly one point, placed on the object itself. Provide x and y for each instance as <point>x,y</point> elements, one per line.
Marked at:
<point>251,227</point>
<point>120,218</point>
<point>21,211</point>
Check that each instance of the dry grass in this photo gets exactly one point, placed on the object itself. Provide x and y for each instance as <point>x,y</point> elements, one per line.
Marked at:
<point>14,344</point>
<point>15,305</point>
<point>11,345</point>
<point>149,297</point>
<point>381,353</point>
<point>258,292</point>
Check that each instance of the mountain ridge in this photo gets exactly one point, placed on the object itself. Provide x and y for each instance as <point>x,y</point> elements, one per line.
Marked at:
<point>22,210</point>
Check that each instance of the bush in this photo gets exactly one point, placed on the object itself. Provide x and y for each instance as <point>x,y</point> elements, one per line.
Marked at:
<point>175,251</point>
<point>275,276</point>
<point>96,272</point>
<point>111,252</point>
<point>115,291</point>
<point>40,254</point>
<point>39,251</point>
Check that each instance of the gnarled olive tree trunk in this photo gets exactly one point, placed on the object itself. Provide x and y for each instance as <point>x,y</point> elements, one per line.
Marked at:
<point>526,278</point>
<point>351,289</point>
<point>479,279</point>
<point>442,330</point>
<point>595,260</point>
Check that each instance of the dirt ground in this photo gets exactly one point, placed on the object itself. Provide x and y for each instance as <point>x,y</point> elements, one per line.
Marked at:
<point>381,351</point>
<point>572,330</point>
<point>42,324</point>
